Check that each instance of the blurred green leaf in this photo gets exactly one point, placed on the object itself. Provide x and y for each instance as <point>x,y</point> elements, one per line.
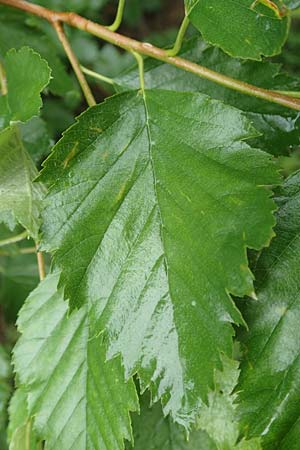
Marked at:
<point>16,33</point>
<point>151,431</point>
<point>5,389</point>
<point>20,429</point>
<point>36,139</point>
<point>27,74</point>
<point>18,277</point>
<point>20,198</point>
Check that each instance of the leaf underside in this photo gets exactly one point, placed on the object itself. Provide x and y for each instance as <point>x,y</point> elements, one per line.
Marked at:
<point>20,198</point>
<point>149,214</point>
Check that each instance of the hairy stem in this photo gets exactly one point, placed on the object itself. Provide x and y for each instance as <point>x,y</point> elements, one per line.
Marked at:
<point>119,16</point>
<point>74,63</point>
<point>14,239</point>
<point>146,49</point>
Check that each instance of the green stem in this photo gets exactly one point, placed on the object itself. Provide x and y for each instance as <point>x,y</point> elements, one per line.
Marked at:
<point>41,263</point>
<point>14,239</point>
<point>97,76</point>
<point>295,94</point>
<point>180,36</point>
<point>3,84</point>
<point>21,251</point>
<point>27,434</point>
<point>119,16</point>
<point>140,61</point>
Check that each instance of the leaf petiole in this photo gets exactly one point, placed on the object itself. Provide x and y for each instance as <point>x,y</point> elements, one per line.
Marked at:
<point>3,84</point>
<point>119,16</point>
<point>179,39</point>
<point>14,239</point>
<point>140,61</point>
<point>96,75</point>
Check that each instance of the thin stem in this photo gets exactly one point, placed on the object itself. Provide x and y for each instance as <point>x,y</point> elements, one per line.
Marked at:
<point>27,434</point>
<point>96,75</point>
<point>14,239</point>
<point>119,16</point>
<point>295,94</point>
<point>3,83</point>
<point>21,251</point>
<point>140,62</point>
<point>74,63</point>
<point>180,36</point>
<point>146,49</point>
<point>41,263</point>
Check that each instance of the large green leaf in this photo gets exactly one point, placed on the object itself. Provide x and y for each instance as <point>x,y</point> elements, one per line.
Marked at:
<point>20,198</point>
<point>242,28</point>
<point>269,386</point>
<point>78,400</point>
<point>280,127</point>
<point>27,75</point>
<point>150,211</point>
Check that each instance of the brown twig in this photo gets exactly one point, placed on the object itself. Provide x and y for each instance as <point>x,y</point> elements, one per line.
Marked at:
<point>74,63</point>
<point>146,49</point>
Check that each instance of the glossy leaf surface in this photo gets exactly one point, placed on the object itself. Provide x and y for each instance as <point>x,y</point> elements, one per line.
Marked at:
<point>149,214</point>
<point>279,126</point>
<point>269,386</point>
<point>20,198</point>
<point>77,399</point>
<point>5,388</point>
<point>242,28</point>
